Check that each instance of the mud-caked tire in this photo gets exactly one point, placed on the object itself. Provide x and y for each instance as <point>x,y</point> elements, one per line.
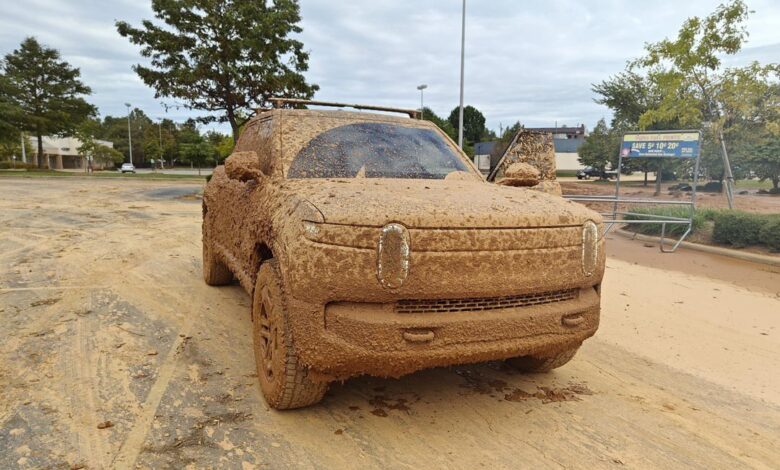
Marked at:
<point>215,272</point>
<point>543,363</point>
<point>284,381</point>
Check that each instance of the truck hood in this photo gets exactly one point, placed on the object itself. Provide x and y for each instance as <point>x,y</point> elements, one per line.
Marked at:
<point>437,204</point>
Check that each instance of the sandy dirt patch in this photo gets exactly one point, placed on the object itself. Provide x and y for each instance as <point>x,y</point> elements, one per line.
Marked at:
<point>107,320</point>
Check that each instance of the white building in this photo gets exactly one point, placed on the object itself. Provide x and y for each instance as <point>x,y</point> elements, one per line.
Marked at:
<point>62,152</point>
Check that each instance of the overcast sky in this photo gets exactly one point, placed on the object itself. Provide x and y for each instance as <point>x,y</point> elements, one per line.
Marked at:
<point>527,61</point>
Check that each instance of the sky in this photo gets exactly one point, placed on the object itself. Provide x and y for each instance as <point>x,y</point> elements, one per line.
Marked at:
<point>532,62</point>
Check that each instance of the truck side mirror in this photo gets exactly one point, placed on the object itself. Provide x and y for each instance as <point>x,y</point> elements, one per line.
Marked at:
<point>243,166</point>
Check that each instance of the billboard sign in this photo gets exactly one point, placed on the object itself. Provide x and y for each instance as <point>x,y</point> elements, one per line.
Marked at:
<point>661,144</point>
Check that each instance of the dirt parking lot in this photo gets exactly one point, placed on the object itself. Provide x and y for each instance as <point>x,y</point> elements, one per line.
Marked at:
<point>115,354</point>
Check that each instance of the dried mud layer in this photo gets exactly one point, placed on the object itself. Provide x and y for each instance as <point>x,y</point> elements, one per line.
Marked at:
<point>115,354</point>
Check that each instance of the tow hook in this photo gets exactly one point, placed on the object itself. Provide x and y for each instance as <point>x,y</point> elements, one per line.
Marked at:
<point>573,320</point>
<point>419,336</point>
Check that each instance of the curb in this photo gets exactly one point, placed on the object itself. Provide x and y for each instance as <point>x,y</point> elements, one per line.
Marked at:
<point>716,250</point>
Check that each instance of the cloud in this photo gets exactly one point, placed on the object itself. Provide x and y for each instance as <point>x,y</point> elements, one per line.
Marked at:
<point>532,62</point>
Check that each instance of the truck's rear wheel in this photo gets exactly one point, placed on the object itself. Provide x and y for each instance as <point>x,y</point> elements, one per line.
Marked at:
<point>543,363</point>
<point>215,272</point>
<point>285,382</point>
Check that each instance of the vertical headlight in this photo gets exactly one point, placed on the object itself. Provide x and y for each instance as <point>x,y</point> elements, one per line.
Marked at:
<point>392,256</point>
<point>590,247</point>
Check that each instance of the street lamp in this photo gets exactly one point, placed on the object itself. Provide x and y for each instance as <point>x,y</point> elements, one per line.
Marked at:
<point>129,134</point>
<point>422,109</point>
<point>462,59</point>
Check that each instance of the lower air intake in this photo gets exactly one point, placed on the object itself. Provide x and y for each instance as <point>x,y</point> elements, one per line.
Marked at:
<point>485,303</point>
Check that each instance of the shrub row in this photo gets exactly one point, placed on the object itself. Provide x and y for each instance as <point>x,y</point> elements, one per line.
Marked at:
<point>9,165</point>
<point>669,211</point>
<point>740,229</point>
<point>731,227</point>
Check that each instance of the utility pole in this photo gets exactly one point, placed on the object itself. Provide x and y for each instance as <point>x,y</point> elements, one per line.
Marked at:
<point>129,134</point>
<point>159,127</point>
<point>24,152</point>
<point>422,108</point>
<point>462,60</point>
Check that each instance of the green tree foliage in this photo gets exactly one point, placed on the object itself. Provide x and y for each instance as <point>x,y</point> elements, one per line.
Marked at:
<point>44,92</point>
<point>223,145</point>
<point>685,70</point>
<point>764,158</point>
<point>91,148</point>
<point>473,124</point>
<point>198,152</point>
<point>680,83</point>
<point>600,147</point>
<point>222,57</point>
<point>9,113</point>
<point>442,123</point>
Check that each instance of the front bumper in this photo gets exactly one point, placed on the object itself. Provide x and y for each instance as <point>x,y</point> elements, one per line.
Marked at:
<point>373,338</point>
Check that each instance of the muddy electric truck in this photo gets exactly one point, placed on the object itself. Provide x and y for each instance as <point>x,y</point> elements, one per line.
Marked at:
<point>370,244</point>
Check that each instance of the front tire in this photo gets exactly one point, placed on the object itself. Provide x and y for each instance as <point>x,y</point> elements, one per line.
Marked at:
<point>215,272</point>
<point>544,363</point>
<point>285,382</point>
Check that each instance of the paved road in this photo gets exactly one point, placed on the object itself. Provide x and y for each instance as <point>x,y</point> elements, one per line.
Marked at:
<point>114,354</point>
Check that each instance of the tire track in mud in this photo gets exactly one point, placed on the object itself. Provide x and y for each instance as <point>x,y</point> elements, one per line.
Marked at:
<point>133,441</point>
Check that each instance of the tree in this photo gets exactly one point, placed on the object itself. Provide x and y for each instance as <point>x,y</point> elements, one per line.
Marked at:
<point>198,153</point>
<point>223,145</point>
<point>473,123</point>
<point>442,123</point>
<point>765,159</point>
<point>685,70</point>
<point>224,57</point>
<point>91,148</point>
<point>9,112</point>
<point>46,91</point>
<point>600,148</point>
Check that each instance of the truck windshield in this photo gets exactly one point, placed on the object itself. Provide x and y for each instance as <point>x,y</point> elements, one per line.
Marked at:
<point>376,150</point>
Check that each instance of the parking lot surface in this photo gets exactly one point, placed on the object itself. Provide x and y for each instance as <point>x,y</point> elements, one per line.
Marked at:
<point>115,354</point>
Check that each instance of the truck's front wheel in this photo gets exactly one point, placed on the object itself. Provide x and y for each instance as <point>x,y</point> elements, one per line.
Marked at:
<point>215,272</point>
<point>285,382</point>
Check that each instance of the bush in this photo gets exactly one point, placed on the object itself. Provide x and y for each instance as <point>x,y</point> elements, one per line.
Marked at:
<point>738,228</point>
<point>671,229</point>
<point>711,187</point>
<point>770,234</point>
<point>9,165</point>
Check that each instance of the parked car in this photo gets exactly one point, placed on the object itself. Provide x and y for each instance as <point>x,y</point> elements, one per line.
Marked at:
<point>589,172</point>
<point>371,244</point>
<point>127,168</point>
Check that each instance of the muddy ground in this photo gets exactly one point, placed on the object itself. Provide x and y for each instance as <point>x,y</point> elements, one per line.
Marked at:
<point>115,354</point>
<point>751,201</point>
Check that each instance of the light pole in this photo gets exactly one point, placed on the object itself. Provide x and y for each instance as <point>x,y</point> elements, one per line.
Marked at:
<point>159,127</point>
<point>24,152</point>
<point>129,134</point>
<point>422,109</point>
<point>462,60</point>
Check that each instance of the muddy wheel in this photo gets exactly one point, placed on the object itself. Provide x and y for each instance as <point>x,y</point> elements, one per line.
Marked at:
<point>215,272</point>
<point>283,379</point>
<point>542,363</point>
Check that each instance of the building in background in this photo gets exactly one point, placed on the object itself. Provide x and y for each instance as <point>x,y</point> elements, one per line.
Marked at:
<point>483,156</point>
<point>62,152</point>
<point>566,141</point>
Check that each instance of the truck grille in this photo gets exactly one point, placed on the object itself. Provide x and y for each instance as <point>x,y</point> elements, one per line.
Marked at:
<point>484,303</point>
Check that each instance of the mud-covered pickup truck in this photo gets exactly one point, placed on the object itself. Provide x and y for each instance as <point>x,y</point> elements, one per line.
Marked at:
<point>370,244</point>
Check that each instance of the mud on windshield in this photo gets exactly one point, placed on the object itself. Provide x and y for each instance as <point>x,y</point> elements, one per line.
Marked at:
<point>376,150</point>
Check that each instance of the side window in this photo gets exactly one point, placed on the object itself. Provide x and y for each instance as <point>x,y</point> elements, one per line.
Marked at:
<point>257,137</point>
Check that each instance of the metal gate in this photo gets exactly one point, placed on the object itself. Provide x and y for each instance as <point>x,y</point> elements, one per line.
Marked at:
<point>652,144</point>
